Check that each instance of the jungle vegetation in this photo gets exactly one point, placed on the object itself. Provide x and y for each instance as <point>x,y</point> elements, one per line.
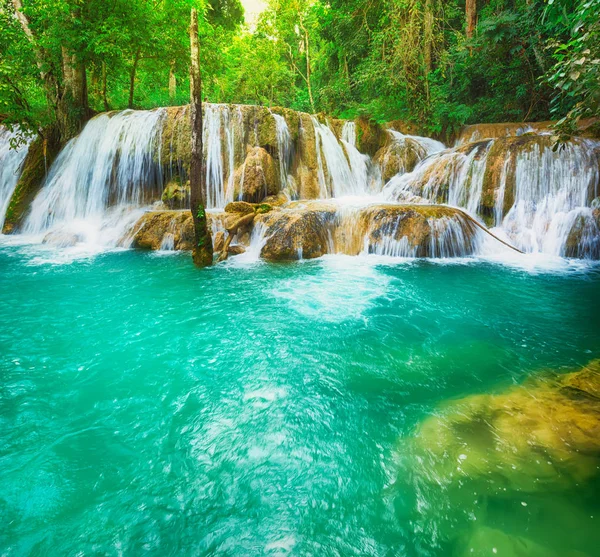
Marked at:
<point>439,63</point>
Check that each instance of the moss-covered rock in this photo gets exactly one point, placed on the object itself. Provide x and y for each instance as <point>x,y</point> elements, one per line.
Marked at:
<point>370,136</point>
<point>42,153</point>
<point>176,195</point>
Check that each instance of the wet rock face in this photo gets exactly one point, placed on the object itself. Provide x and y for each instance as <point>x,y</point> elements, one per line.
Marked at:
<point>176,195</point>
<point>258,177</point>
<point>164,230</point>
<point>300,232</point>
<point>539,435</point>
<point>399,157</point>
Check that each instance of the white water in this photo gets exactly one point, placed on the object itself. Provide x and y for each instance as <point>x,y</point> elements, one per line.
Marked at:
<point>104,178</point>
<point>11,162</point>
<point>285,149</point>
<point>553,191</point>
<point>109,169</point>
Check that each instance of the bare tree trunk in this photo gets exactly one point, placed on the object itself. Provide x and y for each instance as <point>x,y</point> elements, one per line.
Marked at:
<point>471,15</point>
<point>308,70</point>
<point>132,73</point>
<point>104,96</point>
<point>427,35</point>
<point>203,250</point>
<point>172,82</point>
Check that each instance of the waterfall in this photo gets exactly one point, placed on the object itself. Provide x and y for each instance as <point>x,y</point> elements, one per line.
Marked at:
<point>11,163</point>
<point>551,189</point>
<point>343,171</point>
<point>349,133</point>
<point>112,166</point>
<point>427,145</point>
<point>285,149</point>
<point>215,180</point>
<point>452,176</point>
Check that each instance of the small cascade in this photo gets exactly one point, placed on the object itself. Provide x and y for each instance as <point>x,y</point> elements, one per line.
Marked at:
<point>336,177</point>
<point>454,176</point>
<point>11,165</point>
<point>112,166</point>
<point>349,133</point>
<point>216,196</point>
<point>285,149</point>
<point>427,145</point>
<point>553,192</point>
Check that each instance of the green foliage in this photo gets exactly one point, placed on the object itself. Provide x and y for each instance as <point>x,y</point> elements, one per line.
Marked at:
<point>408,60</point>
<point>575,75</point>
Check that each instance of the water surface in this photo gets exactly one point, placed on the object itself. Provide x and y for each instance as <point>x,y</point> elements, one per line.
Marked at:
<point>147,407</point>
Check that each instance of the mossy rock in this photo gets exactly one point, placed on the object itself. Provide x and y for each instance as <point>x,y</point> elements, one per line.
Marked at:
<point>32,178</point>
<point>370,136</point>
<point>176,195</point>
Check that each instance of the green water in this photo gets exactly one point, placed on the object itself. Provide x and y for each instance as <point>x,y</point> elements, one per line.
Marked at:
<point>147,408</point>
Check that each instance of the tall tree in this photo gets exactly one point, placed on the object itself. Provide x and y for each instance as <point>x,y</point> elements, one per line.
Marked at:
<point>203,249</point>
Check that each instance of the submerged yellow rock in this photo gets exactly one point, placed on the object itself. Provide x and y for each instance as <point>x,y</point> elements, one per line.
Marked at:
<point>545,432</point>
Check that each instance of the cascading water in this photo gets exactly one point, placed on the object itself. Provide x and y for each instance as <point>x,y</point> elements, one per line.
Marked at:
<point>11,162</point>
<point>285,149</point>
<point>427,145</point>
<point>551,191</point>
<point>112,167</point>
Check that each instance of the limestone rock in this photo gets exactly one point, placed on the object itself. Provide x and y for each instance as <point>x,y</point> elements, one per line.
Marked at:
<point>258,177</point>
<point>298,232</point>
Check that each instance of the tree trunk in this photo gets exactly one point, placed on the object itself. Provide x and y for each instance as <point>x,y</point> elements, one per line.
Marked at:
<point>471,15</point>
<point>132,73</point>
<point>308,71</point>
<point>104,96</point>
<point>203,250</point>
<point>427,35</point>
<point>172,82</point>
<point>70,114</point>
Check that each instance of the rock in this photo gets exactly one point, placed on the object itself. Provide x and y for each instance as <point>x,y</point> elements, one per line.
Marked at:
<point>61,239</point>
<point>218,241</point>
<point>241,207</point>
<point>543,434</point>
<point>150,231</point>
<point>298,232</point>
<point>176,195</point>
<point>236,250</point>
<point>399,157</point>
<point>309,229</point>
<point>485,541</point>
<point>258,177</point>
<point>370,136</point>
<point>275,200</point>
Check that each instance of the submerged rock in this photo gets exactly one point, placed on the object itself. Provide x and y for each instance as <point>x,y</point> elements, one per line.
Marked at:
<point>61,239</point>
<point>542,434</point>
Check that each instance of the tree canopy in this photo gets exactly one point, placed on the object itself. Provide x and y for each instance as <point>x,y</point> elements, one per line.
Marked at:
<point>438,63</point>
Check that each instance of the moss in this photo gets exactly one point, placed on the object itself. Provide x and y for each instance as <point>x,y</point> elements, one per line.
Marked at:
<point>370,136</point>
<point>32,177</point>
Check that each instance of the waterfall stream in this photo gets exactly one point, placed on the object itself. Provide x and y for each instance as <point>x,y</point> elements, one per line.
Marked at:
<point>536,197</point>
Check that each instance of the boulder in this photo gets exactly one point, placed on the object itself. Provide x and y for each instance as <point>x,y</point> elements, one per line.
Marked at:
<point>258,177</point>
<point>297,232</point>
<point>61,239</point>
<point>150,231</point>
<point>399,157</point>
